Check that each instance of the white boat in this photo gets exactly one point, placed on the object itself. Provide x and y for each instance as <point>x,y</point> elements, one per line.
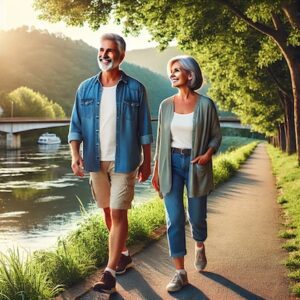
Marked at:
<point>48,139</point>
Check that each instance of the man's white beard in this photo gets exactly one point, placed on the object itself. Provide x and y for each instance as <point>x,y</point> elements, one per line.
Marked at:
<point>105,67</point>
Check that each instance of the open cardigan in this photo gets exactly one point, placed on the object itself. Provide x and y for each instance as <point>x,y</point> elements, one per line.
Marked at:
<point>206,133</point>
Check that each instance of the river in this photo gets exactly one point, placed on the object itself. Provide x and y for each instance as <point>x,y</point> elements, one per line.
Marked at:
<point>39,196</point>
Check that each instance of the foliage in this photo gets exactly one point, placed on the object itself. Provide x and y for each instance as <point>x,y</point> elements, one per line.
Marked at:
<point>24,102</point>
<point>55,65</point>
<point>24,280</point>
<point>288,180</point>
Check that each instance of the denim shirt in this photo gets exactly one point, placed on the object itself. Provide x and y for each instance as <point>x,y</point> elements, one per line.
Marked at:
<point>133,127</point>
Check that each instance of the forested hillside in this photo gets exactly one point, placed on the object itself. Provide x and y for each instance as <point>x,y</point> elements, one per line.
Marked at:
<point>55,65</point>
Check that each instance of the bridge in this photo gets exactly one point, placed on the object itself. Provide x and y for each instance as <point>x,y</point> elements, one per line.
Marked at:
<point>14,126</point>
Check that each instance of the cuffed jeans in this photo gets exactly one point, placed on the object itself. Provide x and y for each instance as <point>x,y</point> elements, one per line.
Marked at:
<point>175,213</point>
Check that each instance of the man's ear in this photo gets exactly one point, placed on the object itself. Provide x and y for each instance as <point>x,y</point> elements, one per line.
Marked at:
<point>122,56</point>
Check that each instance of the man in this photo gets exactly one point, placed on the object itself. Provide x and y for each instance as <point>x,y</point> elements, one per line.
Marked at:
<point>111,117</point>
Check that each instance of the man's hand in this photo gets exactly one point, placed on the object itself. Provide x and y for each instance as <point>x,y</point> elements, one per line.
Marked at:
<point>77,161</point>
<point>145,168</point>
<point>77,166</point>
<point>144,171</point>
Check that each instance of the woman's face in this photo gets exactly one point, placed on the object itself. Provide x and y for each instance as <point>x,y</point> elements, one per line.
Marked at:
<point>179,77</point>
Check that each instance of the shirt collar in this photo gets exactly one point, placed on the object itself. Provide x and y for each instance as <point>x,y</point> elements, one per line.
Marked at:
<point>123,77</point>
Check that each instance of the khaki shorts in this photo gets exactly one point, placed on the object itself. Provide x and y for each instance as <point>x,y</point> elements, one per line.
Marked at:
<point>110,189</point>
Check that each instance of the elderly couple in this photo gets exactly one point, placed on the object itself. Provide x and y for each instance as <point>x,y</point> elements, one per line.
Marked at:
<point>111,118</point>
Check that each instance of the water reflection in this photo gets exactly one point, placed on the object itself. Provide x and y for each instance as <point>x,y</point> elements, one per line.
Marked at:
<point>38,196</point>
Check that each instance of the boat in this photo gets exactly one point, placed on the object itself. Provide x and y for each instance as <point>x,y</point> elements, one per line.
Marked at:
<point>48,139</point>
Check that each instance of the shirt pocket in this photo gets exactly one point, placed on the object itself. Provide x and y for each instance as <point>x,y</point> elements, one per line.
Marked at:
<point>131,109</point>
<point>87,106</point>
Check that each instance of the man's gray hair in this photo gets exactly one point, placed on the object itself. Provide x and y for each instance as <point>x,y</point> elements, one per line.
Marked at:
<point>189,64</point>
<point>117,39</point>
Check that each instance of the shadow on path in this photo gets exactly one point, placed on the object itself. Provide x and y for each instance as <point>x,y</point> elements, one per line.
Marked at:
<point>144,291</point>
<point>231,285</point>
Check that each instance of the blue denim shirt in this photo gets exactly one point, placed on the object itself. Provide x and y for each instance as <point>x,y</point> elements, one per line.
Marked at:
<point>133,127</point>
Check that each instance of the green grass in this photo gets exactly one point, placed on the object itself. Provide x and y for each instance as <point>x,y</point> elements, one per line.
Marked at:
<point>225,165</point>
<point>287,173</point>
<point>231,143</point>
<point>44,273</point>
<point>21,278</point>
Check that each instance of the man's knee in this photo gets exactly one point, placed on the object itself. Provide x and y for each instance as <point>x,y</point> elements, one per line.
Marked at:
<point>118,215</point>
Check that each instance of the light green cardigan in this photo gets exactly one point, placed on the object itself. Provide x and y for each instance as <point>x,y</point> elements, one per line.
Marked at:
<point>206,134</point>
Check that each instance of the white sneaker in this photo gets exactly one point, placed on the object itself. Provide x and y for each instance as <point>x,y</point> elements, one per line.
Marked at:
<point>200,258</point>
<point>178,281</point>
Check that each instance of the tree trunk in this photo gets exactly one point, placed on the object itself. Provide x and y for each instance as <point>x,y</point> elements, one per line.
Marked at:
<point>282,137</point>
<point>288,106</point>
<point>295,78</point>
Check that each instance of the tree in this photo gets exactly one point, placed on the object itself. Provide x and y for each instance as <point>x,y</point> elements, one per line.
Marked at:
<point>27,103</point>
<point>198,20</point>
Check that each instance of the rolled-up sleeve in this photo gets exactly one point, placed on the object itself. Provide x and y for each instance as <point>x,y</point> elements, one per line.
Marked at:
<point>145,128</point>
<point>75,132</point>
<point>215,130</point>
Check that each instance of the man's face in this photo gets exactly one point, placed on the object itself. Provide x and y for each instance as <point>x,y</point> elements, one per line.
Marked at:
<point>109,56</point>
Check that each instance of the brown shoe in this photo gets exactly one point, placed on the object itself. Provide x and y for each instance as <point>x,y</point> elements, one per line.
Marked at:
<point>106,284</point>
<point>125,263</point>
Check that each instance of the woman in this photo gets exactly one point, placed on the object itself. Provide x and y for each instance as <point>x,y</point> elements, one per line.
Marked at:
<point>187,136</point>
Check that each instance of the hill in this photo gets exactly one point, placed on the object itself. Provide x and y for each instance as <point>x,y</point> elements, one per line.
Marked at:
<point>152,58</point>
<point>55,65</point>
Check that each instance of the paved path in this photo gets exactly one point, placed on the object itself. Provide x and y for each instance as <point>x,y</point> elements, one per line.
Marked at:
<point>243,250</point>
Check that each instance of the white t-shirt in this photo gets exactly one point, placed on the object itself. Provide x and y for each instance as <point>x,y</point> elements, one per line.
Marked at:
<point>108,123</point>
<point>181,130</point>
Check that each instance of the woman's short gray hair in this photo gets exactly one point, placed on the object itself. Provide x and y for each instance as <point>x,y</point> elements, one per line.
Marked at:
<point>117,39</point>
<point>189,64</point>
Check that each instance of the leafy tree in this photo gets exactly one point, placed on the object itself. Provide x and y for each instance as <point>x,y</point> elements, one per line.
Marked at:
<point>199,20</point>
<point>24,102</point>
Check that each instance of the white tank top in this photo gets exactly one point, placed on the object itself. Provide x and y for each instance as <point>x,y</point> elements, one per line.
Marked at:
<point>108,119</point>
<point>181,130</point>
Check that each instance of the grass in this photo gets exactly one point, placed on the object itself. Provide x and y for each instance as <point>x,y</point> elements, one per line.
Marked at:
<point>23,279</point>
<point>226,164</point>
<point>287,173</point>
<point>45,273</point>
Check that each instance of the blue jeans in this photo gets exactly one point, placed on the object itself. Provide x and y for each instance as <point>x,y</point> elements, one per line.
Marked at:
<point>175,213</point>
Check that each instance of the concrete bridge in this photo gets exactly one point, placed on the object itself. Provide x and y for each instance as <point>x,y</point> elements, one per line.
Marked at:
<point>14,126</point>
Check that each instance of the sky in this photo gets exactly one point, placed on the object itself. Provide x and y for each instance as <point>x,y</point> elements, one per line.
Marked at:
<point>17,13</point>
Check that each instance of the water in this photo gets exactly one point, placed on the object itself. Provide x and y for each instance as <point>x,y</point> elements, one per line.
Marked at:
<point>38,196</point>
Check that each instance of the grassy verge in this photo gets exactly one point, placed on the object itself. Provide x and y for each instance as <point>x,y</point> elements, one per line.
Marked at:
<point>43,274</point>
<point>287,175</point>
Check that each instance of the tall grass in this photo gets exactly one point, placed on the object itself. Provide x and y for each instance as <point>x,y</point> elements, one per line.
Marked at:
<point>42,275</point>
<point>23,279</point>
<point>226,164</point>
<point>287,172</point>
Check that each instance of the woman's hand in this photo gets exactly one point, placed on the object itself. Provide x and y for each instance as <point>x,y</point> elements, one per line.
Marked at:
<point>203,159</point>
<point>155,179</point>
